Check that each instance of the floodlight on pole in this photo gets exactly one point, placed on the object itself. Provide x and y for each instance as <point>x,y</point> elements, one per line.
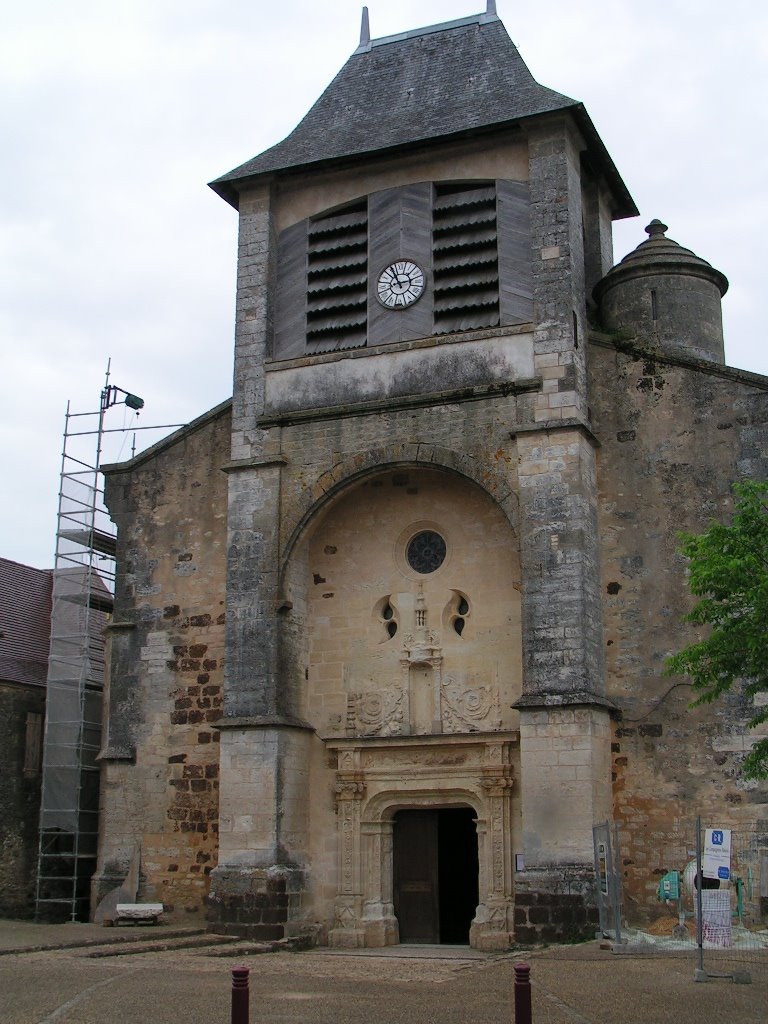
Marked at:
<point>109,397</point>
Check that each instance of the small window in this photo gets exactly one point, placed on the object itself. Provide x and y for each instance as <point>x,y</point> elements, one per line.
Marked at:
<point>426,552</point>
<point>457,613</point>
<point>385,617</point>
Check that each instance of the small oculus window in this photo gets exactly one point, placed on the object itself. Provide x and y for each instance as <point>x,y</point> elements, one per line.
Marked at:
<point>426,552</point>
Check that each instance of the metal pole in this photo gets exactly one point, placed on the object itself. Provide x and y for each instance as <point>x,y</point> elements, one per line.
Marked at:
<point>239,995</point>
<point>616,887</point>
<point>522,989</point>
<point>699,882</point>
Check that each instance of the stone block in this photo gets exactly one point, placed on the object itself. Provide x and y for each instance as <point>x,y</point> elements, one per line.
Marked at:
<point>138,912</point>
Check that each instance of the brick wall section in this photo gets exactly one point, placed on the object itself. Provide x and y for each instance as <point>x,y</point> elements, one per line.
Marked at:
<point>555,904</point>
<point>673,438</point>
<point>259,915</point>
<point>553,917</point>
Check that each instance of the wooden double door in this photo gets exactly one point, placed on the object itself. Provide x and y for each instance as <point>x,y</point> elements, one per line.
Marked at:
<point>435,874</point>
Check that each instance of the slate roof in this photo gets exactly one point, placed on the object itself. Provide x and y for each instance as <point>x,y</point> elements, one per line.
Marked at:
<point>25,622</point>
<point>433,83</point>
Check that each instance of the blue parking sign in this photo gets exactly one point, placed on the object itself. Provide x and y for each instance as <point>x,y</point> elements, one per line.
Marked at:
<point>716,860</point>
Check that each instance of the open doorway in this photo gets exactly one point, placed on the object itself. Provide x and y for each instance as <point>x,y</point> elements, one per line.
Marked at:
<point>435,874</point>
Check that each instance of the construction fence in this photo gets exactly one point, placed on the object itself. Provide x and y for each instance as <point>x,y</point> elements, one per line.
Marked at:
<point>699,891</point>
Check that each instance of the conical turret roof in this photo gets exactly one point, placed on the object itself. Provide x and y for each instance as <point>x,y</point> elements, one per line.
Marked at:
<point>658,255</point>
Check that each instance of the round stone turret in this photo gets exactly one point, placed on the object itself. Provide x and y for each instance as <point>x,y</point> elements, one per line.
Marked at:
<point>667,296</point>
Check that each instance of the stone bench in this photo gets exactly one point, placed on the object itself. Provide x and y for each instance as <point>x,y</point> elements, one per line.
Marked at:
<point>138,912</point>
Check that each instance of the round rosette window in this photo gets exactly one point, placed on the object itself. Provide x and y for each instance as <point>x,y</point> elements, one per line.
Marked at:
<point>425,552</point>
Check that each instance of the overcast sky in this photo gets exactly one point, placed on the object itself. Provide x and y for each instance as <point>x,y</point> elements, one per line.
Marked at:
<point>115,113</point>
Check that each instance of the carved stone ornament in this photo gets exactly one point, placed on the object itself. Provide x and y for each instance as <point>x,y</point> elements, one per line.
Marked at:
<point>376,713</point>
<point>349,788</point>
<point>469,708</point>
<point>346,912</point>
<point>497,779</point>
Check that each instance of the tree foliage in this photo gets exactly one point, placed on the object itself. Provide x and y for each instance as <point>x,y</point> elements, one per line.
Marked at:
<point>729,575</point>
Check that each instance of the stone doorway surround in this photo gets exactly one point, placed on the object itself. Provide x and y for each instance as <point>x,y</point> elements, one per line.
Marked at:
<point>375,778</point>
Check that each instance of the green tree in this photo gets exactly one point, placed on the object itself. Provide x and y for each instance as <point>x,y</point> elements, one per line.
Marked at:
<point>729,575</point>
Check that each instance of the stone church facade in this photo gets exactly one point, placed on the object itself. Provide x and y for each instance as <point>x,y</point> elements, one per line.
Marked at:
<point>390,625</point>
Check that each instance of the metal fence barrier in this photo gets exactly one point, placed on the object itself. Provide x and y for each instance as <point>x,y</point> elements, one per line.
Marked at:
<point>698,891</point>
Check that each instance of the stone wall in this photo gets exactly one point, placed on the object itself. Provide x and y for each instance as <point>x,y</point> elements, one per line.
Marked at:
<point>555,905</point>
<point>160,756</point>
<point>359,630</point>
<point>19,797</point>
<point>674,436</point>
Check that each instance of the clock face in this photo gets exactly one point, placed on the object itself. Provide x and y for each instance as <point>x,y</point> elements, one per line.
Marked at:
<point>400,284</point>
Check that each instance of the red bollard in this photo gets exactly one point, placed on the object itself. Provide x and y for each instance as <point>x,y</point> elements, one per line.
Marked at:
<point>240,995</point>
<point>522,994</point>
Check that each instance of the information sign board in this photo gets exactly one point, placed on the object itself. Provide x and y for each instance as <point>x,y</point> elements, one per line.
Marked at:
<point>716,862</point>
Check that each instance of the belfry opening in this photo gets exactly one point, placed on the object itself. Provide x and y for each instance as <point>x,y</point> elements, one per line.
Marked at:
<point>435,874</point>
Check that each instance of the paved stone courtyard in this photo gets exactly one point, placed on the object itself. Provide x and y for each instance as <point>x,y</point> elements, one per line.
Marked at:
<point>111,981</point>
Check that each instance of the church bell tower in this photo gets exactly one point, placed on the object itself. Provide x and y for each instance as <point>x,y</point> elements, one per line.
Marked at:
<point>414,633</point>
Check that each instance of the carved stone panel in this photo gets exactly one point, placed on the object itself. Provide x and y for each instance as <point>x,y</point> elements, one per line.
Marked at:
<point>376,713</point>
<point>469,708</point>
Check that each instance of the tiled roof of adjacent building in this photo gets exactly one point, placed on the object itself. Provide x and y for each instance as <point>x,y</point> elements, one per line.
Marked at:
<point>25,622</point>
<point>434,83</point>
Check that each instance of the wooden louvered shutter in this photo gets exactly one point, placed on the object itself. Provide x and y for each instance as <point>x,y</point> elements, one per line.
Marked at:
<point>515,261</point>
<point>290,323</point>
<point>465,257</point>
<point>337,280</point>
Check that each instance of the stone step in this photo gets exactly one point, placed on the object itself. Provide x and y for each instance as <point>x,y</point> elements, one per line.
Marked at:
<point>245,947</point>
<point>161,945</point>
<point>113,937</point>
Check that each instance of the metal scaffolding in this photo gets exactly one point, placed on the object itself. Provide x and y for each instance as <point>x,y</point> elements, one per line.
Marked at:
<point>83,589</point>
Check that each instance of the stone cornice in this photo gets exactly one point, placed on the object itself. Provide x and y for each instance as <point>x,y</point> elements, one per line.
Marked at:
<point>388,405</point>
<point>434,740</point>
<point>549,425</point>
<point>263,722</point>
<point>238,465</point>
<point>574,698</point>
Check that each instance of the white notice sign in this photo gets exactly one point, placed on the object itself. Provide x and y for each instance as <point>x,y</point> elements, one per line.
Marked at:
<point>716,862</point>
